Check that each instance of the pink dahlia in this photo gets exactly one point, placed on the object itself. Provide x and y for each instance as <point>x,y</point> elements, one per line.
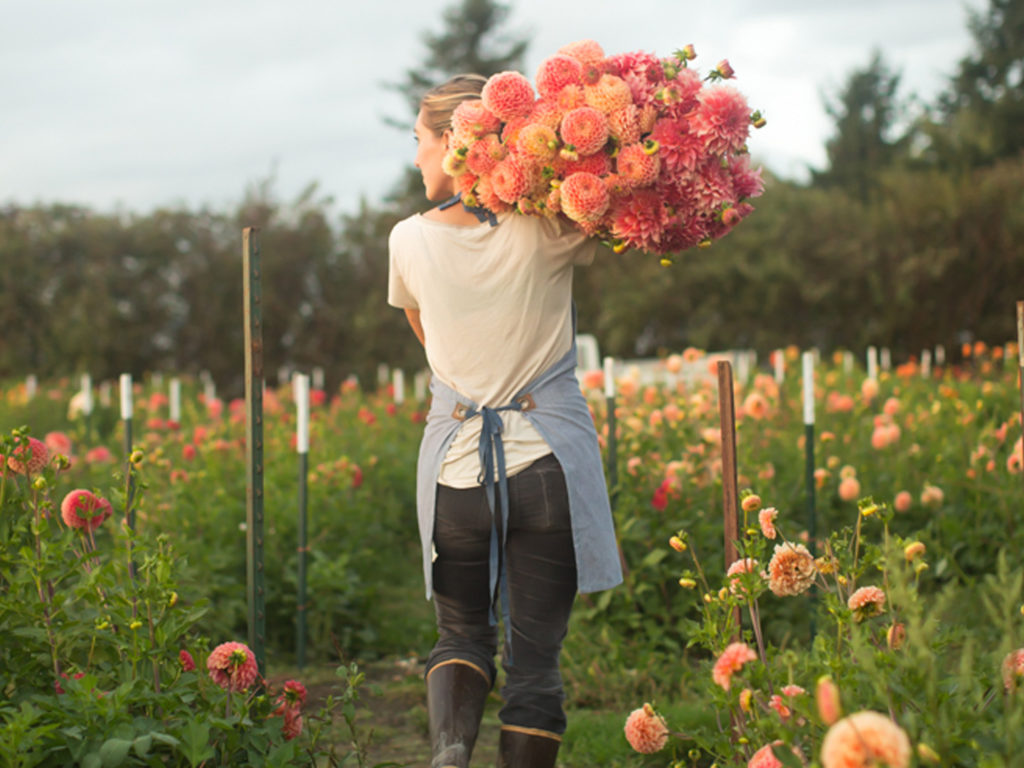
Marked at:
<point>678,97</point>
<point>292,727</point>
<point>484,154</point>
<point>765,757</point>
<point>585,130</point>
<point>680,149</point>
<point>185,659</point>
<point>826,695</point>
<point>598,164</point>
<point>639,219</point>
<point>643,72</point>
<point>608,94</point>
<point>27,460</point>
<point>722,119</point>
<point>736,570</point>
<point>84,509</point>
<point>584,197</point>
<point>730,662</point>
<point>866,602</point>
<point>865,740</point>
<point>766,519</point>
<point>645,730</point>
<point>471,120</point>
<point>557,72</point>
<point>584,51</point>
<point>746,181</point>
<point>508,95</point>
<point>294,694</point>
<point>233,666</point>
<point>99,455</point>
<point>637,166</point>
<point>1013,669</point>
<point>58,442</point>
<point>711,187</point>
<point>791,570</point>
<point>510,179</point>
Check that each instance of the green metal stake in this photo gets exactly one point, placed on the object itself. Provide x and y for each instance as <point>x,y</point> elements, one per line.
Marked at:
<point>254,571</point>
<point>613,449</point>
<point>301,391</point>
<point>126,417</point>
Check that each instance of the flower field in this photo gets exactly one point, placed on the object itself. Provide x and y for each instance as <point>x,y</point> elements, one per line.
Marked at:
<point>880,623</point>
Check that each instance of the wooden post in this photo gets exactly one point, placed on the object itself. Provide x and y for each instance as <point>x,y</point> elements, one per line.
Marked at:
<point>730,490</point>
<point>253,317</point>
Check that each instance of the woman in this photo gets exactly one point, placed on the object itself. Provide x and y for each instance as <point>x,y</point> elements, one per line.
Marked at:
<point>513,508</point>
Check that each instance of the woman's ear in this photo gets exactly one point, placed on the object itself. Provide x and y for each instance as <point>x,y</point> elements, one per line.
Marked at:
<point>447,136</point>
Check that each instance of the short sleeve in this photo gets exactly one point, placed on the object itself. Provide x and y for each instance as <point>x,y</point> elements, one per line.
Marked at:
<point>399,294</point>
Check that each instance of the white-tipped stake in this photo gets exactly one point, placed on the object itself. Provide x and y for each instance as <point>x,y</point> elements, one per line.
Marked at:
<point>383,375</point>
<point>779,361</point>
<point>872,363</point>
<point>808,360</point>
<point>175,400</point>
<point>31,386</point>
<point>940,354</point>
<point>886,359</point>
<point>126,396</point>
<point>926,364</point>
<point>209,391</point>
<point>105,387</point>
<point>318,378</point>
<point>86,394</point>
<point>398,382</point>
<point>847,362</point>
<point>300,389</point>
<point>609,377</point>
<point>419,386</point>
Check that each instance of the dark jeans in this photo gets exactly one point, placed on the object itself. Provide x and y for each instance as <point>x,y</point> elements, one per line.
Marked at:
<point>541,568</point>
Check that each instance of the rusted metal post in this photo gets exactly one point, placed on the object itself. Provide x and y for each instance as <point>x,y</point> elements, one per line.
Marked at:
<point>253,317</point>
<point>730,490</point>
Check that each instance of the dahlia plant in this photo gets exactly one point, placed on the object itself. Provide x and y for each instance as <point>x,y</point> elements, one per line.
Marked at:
<point>891,679</point>
<point>636,150</point>
<point>98,667</point>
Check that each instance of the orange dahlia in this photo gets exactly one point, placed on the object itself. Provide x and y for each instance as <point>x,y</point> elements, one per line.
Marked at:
<point>608,94</point>
<point>538,141</point>
<point>484,154</point>
<point>584,197</point>
<point>557,72</point>
<point>646,730</point>
<point>471,120</point>
<point>510,179</point>
<point>585,129</point>
<point>637,165</point>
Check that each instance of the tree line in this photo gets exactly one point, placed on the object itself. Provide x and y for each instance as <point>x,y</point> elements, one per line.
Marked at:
<point>911,236</point>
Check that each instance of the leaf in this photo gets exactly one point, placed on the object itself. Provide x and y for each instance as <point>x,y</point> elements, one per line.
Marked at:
<point>142,745</point>
<point>653,557</point>
<point>92,761</point>
<point>196,742</point>
<point>114,751</point>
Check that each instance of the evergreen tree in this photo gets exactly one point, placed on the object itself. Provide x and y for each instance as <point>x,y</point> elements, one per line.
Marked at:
<point>981,115</point>
<point>867,114</point>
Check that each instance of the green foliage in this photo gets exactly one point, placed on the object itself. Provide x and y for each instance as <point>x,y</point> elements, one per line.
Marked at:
<point>91,673</point>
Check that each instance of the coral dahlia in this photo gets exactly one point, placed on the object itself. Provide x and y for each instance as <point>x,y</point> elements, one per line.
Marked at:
<point>556,72</point>
<point>27,460</point>
<point>730,662</point>
<point>585,129</point>
<point>637,165</point>
<point>865,740</point>
<point>508,95</point>
<point>233,666</point>
<point>791,570</point>
<point>646,730</point>
<point>584,197</point>
<point>722,119</point>
<point>84,509</point>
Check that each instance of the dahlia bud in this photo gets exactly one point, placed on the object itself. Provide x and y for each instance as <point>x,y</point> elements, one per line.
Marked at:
<point>651,147</point>
<point>135,625</point>
<point>757,119</point>
<point>677,544</point>
<point>173,600</point>
<point>686,583</point>
<point>895,636</point>
<point>725,70</point>
<point>751,503</point>
<point>704,243</point>
<point>826,694</point>
<point>136,456</point>
<point>913,549</point>
<point>686,53</point>
<point>39,483</point>
<point>666,262</point>
<point>927,754</point>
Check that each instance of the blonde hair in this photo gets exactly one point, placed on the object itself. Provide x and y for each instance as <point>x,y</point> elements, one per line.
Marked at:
<point>440,101</point>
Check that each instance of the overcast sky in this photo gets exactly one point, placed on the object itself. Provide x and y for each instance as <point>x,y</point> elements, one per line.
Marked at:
<point>135,104</point>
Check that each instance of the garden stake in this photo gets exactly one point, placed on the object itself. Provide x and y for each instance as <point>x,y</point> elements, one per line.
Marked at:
<point>126,416</point>
<point>87,404</point>
<point>253,315</point>
<point>175,401</point>
<point>1020,368</point>
<point>301,389</point>
<point>808,361</point>
<point>730,492</point>
<point>613,459</point>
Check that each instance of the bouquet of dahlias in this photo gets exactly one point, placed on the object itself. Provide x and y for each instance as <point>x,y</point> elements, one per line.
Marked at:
<point>634,149</point>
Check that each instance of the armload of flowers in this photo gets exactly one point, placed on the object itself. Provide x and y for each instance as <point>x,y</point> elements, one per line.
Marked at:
<point>889,679</point>
<point>634,149</point>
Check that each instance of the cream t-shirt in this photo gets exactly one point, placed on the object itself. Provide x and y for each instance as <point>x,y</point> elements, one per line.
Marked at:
<point>496,308</point>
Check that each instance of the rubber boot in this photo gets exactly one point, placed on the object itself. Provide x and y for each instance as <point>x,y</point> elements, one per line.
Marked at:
<point>527,747</point>
<point>456,692</point>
